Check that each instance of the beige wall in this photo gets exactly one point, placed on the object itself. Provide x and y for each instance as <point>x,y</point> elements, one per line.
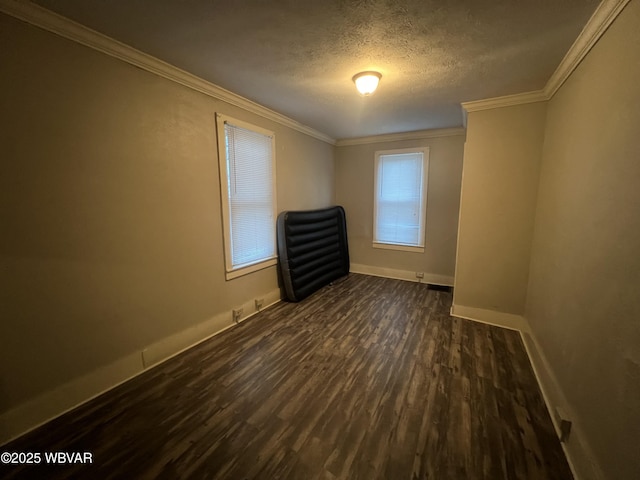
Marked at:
<point>110,209</point>
<point>354,191</point>
<point>584,293</point>
<point>549,229</point>
<point>499,188</point>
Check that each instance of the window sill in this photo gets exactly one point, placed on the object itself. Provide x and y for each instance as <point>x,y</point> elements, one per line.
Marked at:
<point>240,271</point>
<point>403,248</point>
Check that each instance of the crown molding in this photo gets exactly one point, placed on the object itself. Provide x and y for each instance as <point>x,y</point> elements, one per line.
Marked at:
<point>396,137</point>
<point>64,27</point>
<point>505,101</point>
<point>602,18</point>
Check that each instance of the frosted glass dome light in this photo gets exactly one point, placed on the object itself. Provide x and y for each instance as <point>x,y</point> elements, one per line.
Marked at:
<point>367,82</point>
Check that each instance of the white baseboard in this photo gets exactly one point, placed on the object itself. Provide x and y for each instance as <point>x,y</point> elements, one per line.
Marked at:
<point>53,403</point>
<point>492,317</point>
<point>583,463</point>
<point>181,341</point>
<point>579,455</point>
<point>431,278</point>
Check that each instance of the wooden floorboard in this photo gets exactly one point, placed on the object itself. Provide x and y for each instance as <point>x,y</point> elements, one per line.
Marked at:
<point>369,378</point>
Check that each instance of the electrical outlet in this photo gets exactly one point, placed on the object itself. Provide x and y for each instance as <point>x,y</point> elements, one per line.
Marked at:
<point>420,275</point>
<point>259,303</point>
<point>564,423</point>
<point>237,314</point>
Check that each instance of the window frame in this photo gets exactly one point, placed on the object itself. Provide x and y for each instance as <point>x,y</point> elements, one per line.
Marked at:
<point>420,247</point>
<point>236,271</point>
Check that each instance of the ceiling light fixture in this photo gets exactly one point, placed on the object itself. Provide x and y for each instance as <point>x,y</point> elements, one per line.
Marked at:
<point>366,82</point>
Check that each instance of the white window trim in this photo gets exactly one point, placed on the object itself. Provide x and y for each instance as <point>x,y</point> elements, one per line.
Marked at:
<point>238,271</point>
<point>425,190</point>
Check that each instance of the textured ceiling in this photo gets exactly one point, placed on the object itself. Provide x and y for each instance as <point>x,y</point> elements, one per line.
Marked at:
<point>297,57</point>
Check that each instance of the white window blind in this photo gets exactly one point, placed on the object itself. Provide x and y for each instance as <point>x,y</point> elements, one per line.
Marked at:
<point>248,192</point>
<point>400,199</point>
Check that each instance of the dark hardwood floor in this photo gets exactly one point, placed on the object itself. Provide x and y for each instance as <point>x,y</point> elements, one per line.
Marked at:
<point>368,378</point>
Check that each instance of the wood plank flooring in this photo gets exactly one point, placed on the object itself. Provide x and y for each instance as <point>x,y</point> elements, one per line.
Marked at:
<point>369,378</point>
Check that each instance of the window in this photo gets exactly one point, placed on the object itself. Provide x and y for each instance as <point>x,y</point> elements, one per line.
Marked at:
<point>400,199</point>
<point>248,189</point>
